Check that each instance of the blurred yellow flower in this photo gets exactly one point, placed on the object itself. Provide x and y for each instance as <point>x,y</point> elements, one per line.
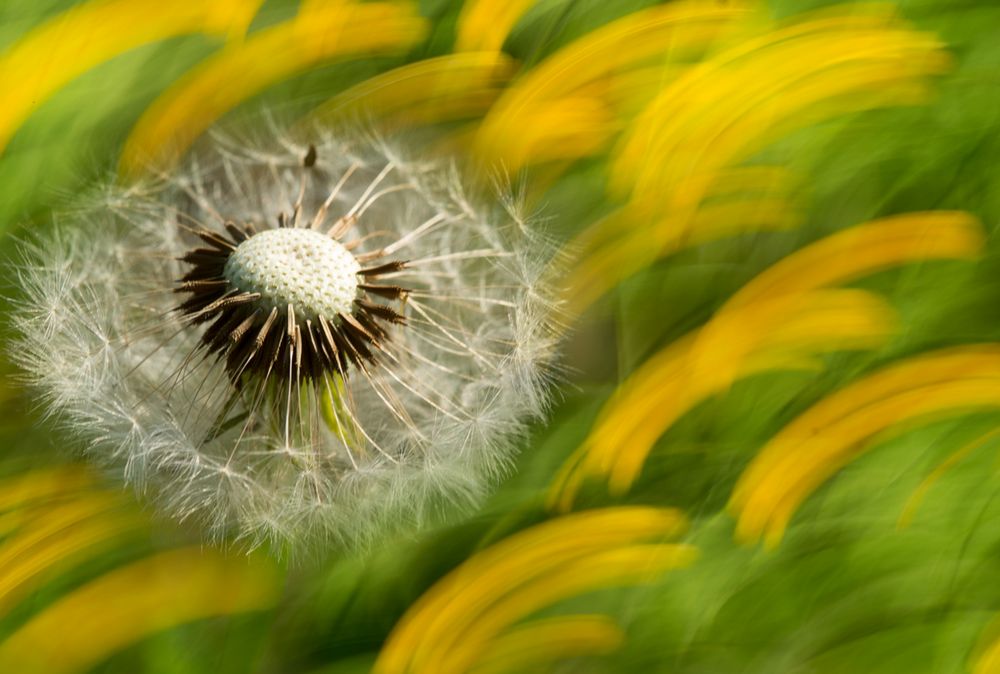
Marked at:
<point>319,33</point>
<point>54,520</point>
<point>51,519</point>
<point>742,199</point>
<point>466,621</point>
<point>483,25</point>
<point>764,83</point>
<point>561,109</point>
<point>784,318</point>
<point>73,42</point>
<point>132,602</point>
<point>842,426</point>
<point>548,640</point>
<point>444,88</point>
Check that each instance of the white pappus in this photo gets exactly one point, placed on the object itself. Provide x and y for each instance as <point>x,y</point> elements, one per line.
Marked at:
<point>304,342</point>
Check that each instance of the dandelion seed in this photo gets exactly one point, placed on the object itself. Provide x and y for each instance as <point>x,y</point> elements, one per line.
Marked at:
<point>319,342</point>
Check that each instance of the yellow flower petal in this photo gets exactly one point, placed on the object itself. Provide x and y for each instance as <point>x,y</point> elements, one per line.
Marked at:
<point>541,642</point>
<point>459,618</point>
<point>742,199</point>
<point>56,538</point>
<point>42,485</point>
<point>325,32</point>
<point>716,114</point>
<point>483,25</point>
<point>866,249</point>
<point>130,603</point>
<point>75,41</point>
<point>784,316</point>
<point>434,90</point>
<point>838,429</point>
<point>561,108</point>
<point>627,565</point>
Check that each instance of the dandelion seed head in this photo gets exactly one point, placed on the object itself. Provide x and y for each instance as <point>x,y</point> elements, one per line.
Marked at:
<point>299,267</point>
<point>295,342</point>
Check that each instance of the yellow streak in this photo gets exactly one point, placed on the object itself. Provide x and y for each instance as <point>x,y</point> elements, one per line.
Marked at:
<point>461,615</point>
<point>988,660</point>
<point>732,104</point>
<point>816,323</point>
<point>20,490</point>
<point>561,109</point>
<point>35,526</point>
<point>434,90</point>
<point>838,429</point>
<point>55,538</point>
<point>483,25</point>
<point>49,518</point>
<point>630,91</point>
<point>321,33</point>
<point>79,39</point>
<point>741,199</point>
<point>618,242</point>
<point>626,565</point>
<point>133,602</point>
<point>720,112</point>
<point>547,640</point>
<point>926,369</point>
<point>868,248</point>
<point>784,317</point>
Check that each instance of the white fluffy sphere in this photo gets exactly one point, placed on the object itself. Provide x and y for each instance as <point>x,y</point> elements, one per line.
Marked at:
<point>383,395</point>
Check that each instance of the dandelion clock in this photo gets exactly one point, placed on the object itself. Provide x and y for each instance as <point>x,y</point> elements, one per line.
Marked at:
<point>294,342</point>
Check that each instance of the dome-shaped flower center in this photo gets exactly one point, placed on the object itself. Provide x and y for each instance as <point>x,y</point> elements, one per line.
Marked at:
<point>301,267</point>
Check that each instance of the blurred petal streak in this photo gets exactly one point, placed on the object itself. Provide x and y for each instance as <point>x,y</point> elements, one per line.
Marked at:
<point>841,427</point>
<point>768,82</point>
<point>784,317</point>
<point>444,88</point>
<point>91,33</point>
<point>130,603</point>
<point>466,621</point>
<point>320,33</point>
